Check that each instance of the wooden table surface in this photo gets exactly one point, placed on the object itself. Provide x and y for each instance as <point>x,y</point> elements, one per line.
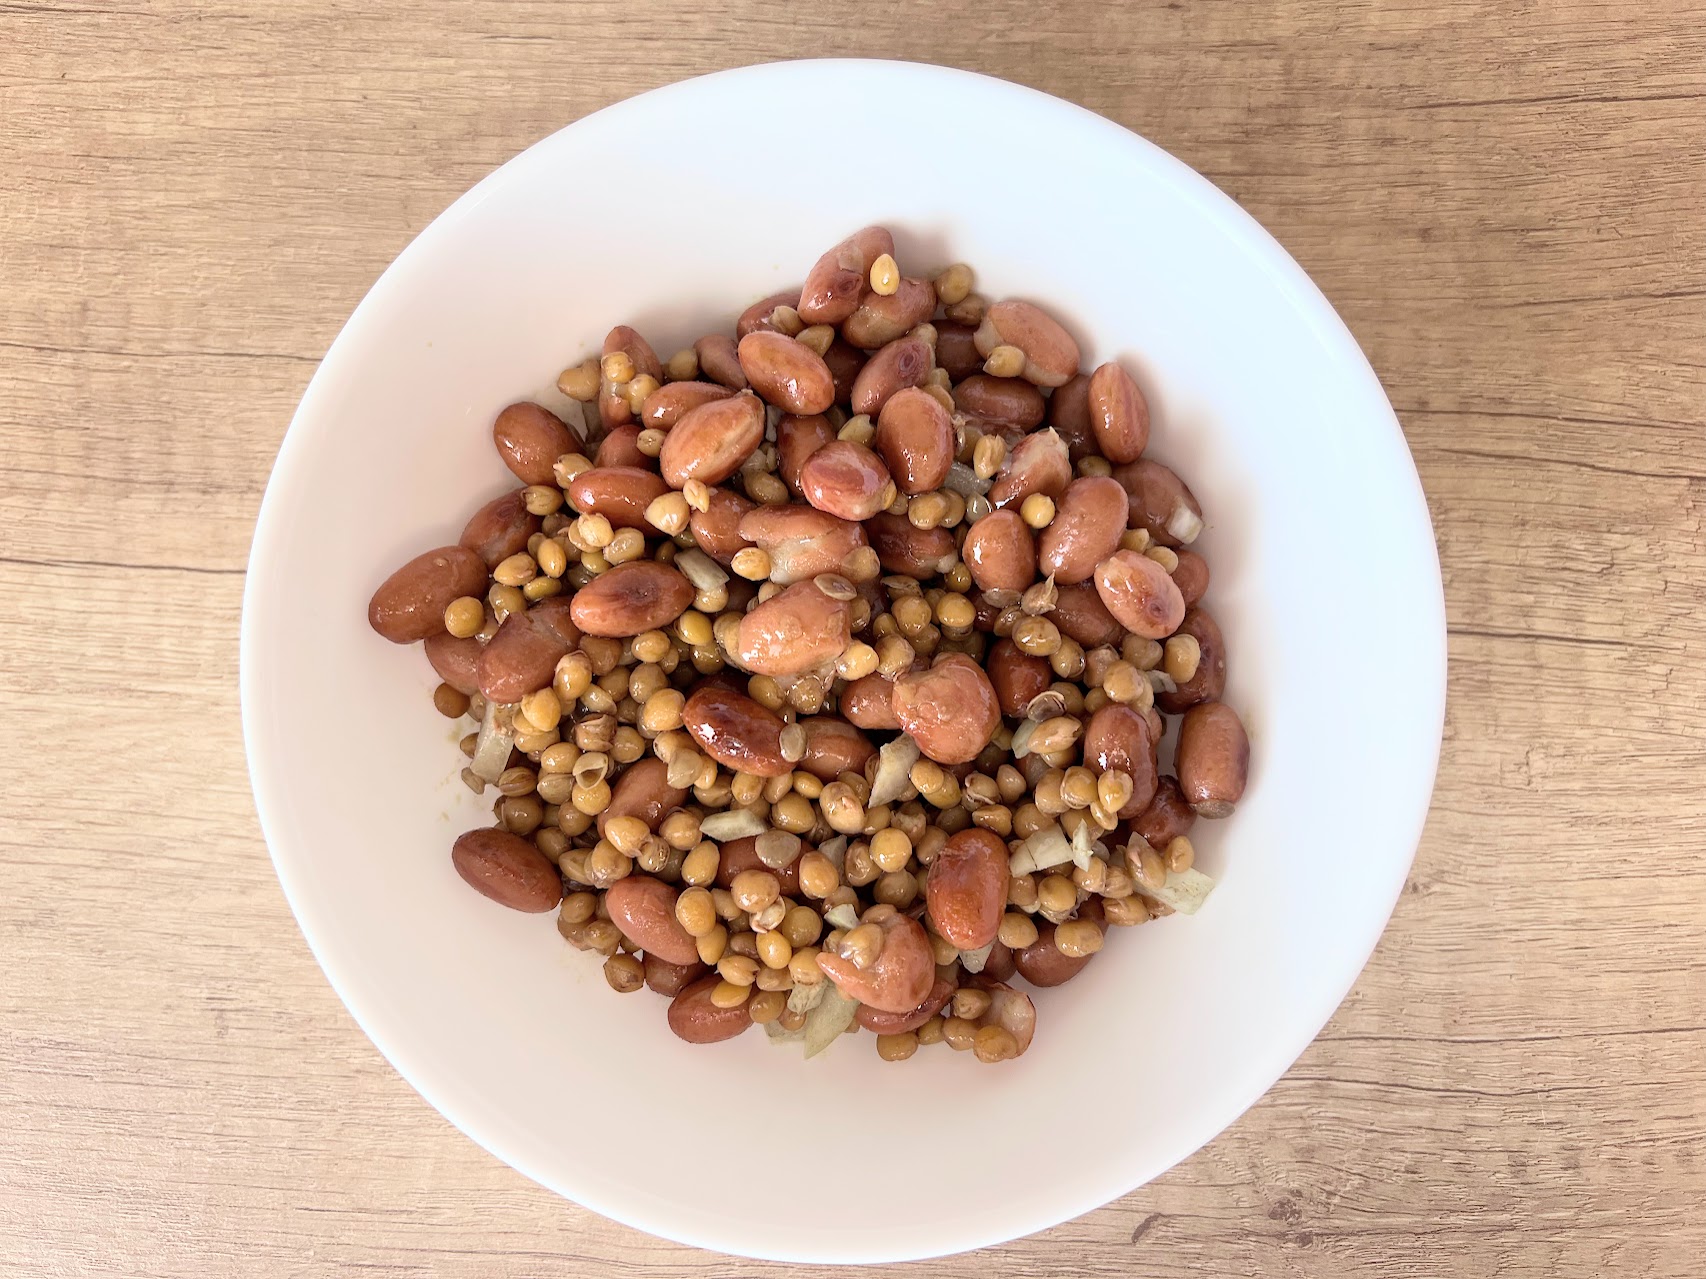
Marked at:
<point>1507,203</point>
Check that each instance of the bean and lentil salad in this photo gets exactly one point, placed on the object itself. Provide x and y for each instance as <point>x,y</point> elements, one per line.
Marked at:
<point>821,671</point>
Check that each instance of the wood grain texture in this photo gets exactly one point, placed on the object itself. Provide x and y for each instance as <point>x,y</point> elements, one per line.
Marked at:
<point>1506,201</point>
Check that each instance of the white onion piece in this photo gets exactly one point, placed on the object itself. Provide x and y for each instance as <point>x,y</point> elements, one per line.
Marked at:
<point>894,771</point>
<point>1184,523</point>
<point>829,1020</point>
<point>974,960</point>
<point>1185,891</point>
<point>491,751</point>
<point>736,823</point>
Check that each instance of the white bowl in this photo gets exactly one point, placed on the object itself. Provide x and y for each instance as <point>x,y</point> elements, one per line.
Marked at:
<point>672,211</point>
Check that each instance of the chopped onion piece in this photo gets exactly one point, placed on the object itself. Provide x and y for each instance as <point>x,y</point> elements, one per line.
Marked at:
<point>1185,891</point>
<point>1084,846</point>
<point>829,1020</point>
<point>1162,682</point>
<point>802,999</point>
<point>1042,850</point>
<point>736,823</point>
<point>1184,523</point>
<point>894,771</point>
<point>965,481</point>
<point>974,960</point>
<point>1022,737</point>
<point>491,751</point>
<point>835,850</point>
<point>842,916</point>
<point>700,569</point>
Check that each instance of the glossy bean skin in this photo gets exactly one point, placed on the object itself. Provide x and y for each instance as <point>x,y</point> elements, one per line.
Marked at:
<point>834,747</point>
<point>903,973</point>
<point>902,363</point>
<point>1210,680</point>
<point>1159,500</point>
<point>794,631</point>
<point>719,361</point>
<point>880,320</point>
<point>844,360</point>
<point>530,438</point>
<point>915,437</point>
<point>621,447</point>
<point>1069,414</point>
<point>868,703</point>
<point>1085,531</point>
<point>736,731</point>
<point>613,407</point>
<point>839,278</point>
<point>642,595</point>
<point>881,1023</point>
<point>508,869</point>
<point>846,480</point>
<point>910,551</point>
<point>1039,463</point>
<point>787,373</point>
<point>1042,964</point>
<point>1081,615</point>
<point>797,438</point>
<point>716,529</point>
<point>756,318</point>
<point>667,405</point>
<point>738,855</point>
<point>956,349</point>
<point>1119,415</point>
<point>409,605</point>
<point>668,979</point>
<point>1118,737</point>
<point>1140,594</point>
<point>694,1018</point>
<point>1051,356</point>
<point>1213,759</point>
<point>1167,817</point>
<point>1191,577</point>
<point>457,661</point>
<point>644,909</point>
<point>619,493</point>
<point>643,790</point>
<point>1000,551</point>
<point>967,887</point>
<point>950,709</point>
<point>801,540</point>
<point>1009,400</point>
<point>500,528</point>
<point>524,653</point>
<point>999,966</point>
<point>710,442</point>
<point>1016,676</point>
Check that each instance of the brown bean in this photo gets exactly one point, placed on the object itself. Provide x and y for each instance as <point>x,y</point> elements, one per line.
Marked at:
<point>838,279</point>
<point>1051,356</point>
<point>950,709</point>
<point>1167,817</point>
<point>834,747</point>
<point>1000,552</point>
<point>619,493</point>
<point>881,1023</point>
<point>797,438</point>
<point>500,528</point>
<point>643,791</point>
<point>1160,502</point>
<point>908,550</point>
<point>642,595</point>
<point>902,363</point>
<point>880,320</point>
<point>508,869</point>
<point>801,540</point>
<point>693,1017</point>
<point>1210,680</point>
<point>736,731</point>
<point>787,373</point>
<point>457,661</point>
<point>1009,400</point>
<point>1016,676</point>
<point>710,442</point>
<point>844,360</point>
<point>956,349</point>
<point>1081,615</point>
<point>1140,595</point>
<point>1118,738</point>
<point>915,436</point>
<point>868,702</point>
<point>530,439</point>
<point>999,966</point>
<point>409,605</point>
<point>621,447</point>
<point>1213,758</point>
<point>669,979</point>
<point>1119,414</point>
<point>1039,463</point>
<point>613,407</point>
<point>717,528</point>
<point>1086,529</point>
<point>1069,413</point>
<point>644,909</point>
<point>719,361</point>
<point>792,632</point>
<point>1191,575</point>
<point>1042,964</point>
<point>524,653</point>
<point>967,887</point>
<point>667,405</point>
<point>737,855</point>
<point>756,318</point>
<point>901,976</point>
<point>846,480</point>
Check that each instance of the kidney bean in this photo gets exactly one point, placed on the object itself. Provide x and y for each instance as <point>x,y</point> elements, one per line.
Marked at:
<point>787,373</point>
<point>1051,356</point>
<point>667,405</point>
<point>1191,576</point>
<point>797,438</point>
<point>910,551</point>
<point>880,320</point>
<point>457,661</point>
<point>838,279</point>
<point>1167,817</point>
<point>668,979</point>
<point>643,790</point>
<point>508,869</point>
<point>881,1023</point>
<point>756,318</point>
<point>1000,551</point>
<point>904,362</point>
<point>845,479</point>
<point>1213,758</point>
<point>693,1017</point>
<point>1210,680</point>
<point>898,979</point>
<point>868,702</point>
<point>619,493</point>
<point>1008,400</point>
<point>967,887</point>
<point>641,595</point>
<point>1160,502</point>
<point>950,709</point>
<point>834,747</point>
<point>524,653</point>
<point>801,541</point>
<point>644,909</point>
<point>717,528</point>
<point>1086,529</point>
<point>956,349</point>
<point>1069,413</point>
<point>734,730</point>
<point>409,605</point>
<point>844,360</point>
<point>1039,463</point>
<point>500,528</point>
<point>1119,414</point>
<point>1139,593</point>
<point>1117,737</point>
<point>1042,964</point>
<point>792,632</point>
<point>710,442</point>
<point>621,447</point>
<point>737,855</point>
<point>915,436</point>
<point>1081,615</point>
<point>530,438</point>
<point>1016,676</point>
<point>719,361</point>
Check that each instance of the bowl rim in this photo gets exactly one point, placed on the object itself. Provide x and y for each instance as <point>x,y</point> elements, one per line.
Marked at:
<point>1211,204</point>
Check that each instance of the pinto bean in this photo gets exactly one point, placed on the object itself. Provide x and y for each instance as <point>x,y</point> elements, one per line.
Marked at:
<point>839,278</point>
<point>967,887</point>
<point>524,653</point>
<point>457,661</point>
<point>642,595</point>
<point>693,1017</point>
<point>1081,615</point>
<point>619,493</point>
<point>1069,414</point>
<point>644,909</point>
<point>881,1023</point>
<point>1119,415</point>
<point>902,974</point>
<point>736,731</point>
<point>667,405</point>
<point>787,373</point>
<point>956,349</point>
<point>797,438</point>
<point>530,438</point>
<point>710,442</point>
<point>508,869</point>
<point>908,550</point>
<point>1138,592</point>
<point>1167,817</point>
<point>500,528</point>
<point>1160,502</point>
<point>613,407</point>
<point>868,702</point>
<point>834,747</point>
<point>844,360</point>
<point>1086,529</point>
<point>1210,680</point>
<point>668,979</point>
<point>792,632</point>
<point>1213,758</point>
<point>802,541</point>
<point>915,436</point>
<point>950,709</point>
<point>719,361</point>
<point>756,318</point>
<point>643,791</point>
<point>1039,463</point>
<point>1042,964</point>
<point>736,856</point>
<point>1008,400</point>
<point>1051,356</point>
<point>846,480</point>
<point>1016,676</point>
<point>621,447</point>
<point>1191,576</point>
<point>902,363</point>
<point>1000,552</point>
<point>717,528</point>
<point>880,320</point>
<point>409,605</point>
<point>1117,737</point>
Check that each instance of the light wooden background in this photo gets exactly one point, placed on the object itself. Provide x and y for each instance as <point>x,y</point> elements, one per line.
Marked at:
<point>1507,202</point>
